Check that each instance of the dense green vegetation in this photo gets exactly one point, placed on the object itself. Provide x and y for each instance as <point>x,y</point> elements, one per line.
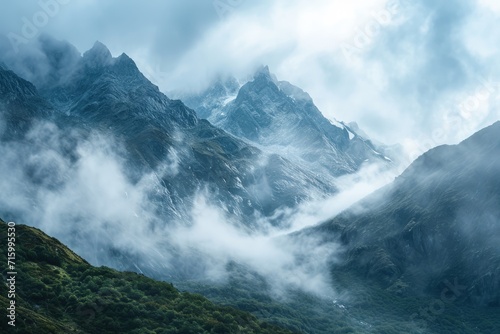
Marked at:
<point>59,292</point>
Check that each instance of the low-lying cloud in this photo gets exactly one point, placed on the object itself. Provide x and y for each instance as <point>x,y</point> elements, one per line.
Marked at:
<point>78,191</point>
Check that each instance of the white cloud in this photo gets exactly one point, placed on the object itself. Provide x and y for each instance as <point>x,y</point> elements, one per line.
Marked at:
<point>352,188</point>
<point>490,5</point>
<point>220,241</point>
<point>291,33</point>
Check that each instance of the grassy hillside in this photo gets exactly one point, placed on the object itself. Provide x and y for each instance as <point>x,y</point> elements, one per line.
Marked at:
<point>59,292</point>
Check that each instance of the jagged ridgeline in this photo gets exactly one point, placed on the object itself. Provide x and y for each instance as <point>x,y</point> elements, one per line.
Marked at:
<point>95,92</point>
<point>59,292</point>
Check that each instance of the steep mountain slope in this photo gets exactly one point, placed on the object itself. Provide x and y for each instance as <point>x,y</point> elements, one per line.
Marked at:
<point>435,230</point>
<point>20,105</point>
<point>281,118</point>
<point>59,292</point>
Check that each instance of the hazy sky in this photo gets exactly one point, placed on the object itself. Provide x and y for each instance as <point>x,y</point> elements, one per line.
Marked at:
<point>404,70</point>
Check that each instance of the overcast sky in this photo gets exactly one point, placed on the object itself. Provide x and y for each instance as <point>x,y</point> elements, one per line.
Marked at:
<point>401,69</point>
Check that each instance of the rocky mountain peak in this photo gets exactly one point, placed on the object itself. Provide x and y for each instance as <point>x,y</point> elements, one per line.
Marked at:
<point>99,54</point>
<point>127,65</point>
<point>263,73</point>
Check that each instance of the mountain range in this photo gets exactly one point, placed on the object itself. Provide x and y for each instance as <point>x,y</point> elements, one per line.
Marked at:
<point>98,92</point>
<point>419,255</point>
<point>95,94</point>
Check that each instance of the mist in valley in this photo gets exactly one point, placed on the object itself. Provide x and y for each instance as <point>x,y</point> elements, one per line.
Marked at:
<point>79,191</point>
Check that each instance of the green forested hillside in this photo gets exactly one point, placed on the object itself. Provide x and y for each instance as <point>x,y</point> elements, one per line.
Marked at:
<point>59,292</point>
